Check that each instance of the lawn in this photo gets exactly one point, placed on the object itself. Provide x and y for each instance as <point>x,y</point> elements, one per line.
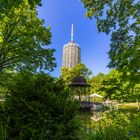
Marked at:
<point>128,106</point>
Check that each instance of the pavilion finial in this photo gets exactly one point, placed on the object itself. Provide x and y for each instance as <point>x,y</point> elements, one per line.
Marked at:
<point>72,32</point>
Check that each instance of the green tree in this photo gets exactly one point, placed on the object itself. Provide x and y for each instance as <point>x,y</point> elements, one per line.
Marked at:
<point>121,18</point>
<point>96,82</point>
<point>6,5</point>
<point>23,39</point>
<point>112,85</point>
<point>79,70</point>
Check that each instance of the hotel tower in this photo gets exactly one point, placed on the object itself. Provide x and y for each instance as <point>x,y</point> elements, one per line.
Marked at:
<point>71,53</point>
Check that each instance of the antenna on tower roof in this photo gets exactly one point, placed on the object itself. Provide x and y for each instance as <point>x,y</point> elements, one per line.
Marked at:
<point>72,32</point>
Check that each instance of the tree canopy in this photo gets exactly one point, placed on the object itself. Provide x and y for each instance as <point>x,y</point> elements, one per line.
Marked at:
<point>79,70</point>
<point>121,18</point>
<point>114,86</point>
<point>6,5</point>
<point>23,39</point>
<point>95,82</point>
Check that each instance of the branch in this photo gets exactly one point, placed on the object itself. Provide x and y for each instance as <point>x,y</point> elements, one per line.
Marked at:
<point>7,61</point>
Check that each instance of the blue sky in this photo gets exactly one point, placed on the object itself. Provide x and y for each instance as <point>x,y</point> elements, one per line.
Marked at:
<point>60,14</point>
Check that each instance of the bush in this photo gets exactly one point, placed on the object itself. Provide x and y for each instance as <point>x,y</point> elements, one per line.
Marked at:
<point>135,127</point>
<point>38,108</point>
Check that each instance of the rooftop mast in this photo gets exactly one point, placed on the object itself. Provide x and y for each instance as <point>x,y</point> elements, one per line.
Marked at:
<point>72,32</point>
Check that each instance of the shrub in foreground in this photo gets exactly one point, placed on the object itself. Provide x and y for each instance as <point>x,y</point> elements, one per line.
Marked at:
<point>38,108</point>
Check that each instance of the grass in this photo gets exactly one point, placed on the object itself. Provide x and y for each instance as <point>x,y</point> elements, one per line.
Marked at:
<point>129,106</point>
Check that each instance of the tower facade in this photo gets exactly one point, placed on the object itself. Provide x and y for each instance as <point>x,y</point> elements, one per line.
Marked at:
<point>71,53</point>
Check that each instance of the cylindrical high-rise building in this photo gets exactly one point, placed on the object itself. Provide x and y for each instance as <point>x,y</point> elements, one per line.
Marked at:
<point>71,53</point>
